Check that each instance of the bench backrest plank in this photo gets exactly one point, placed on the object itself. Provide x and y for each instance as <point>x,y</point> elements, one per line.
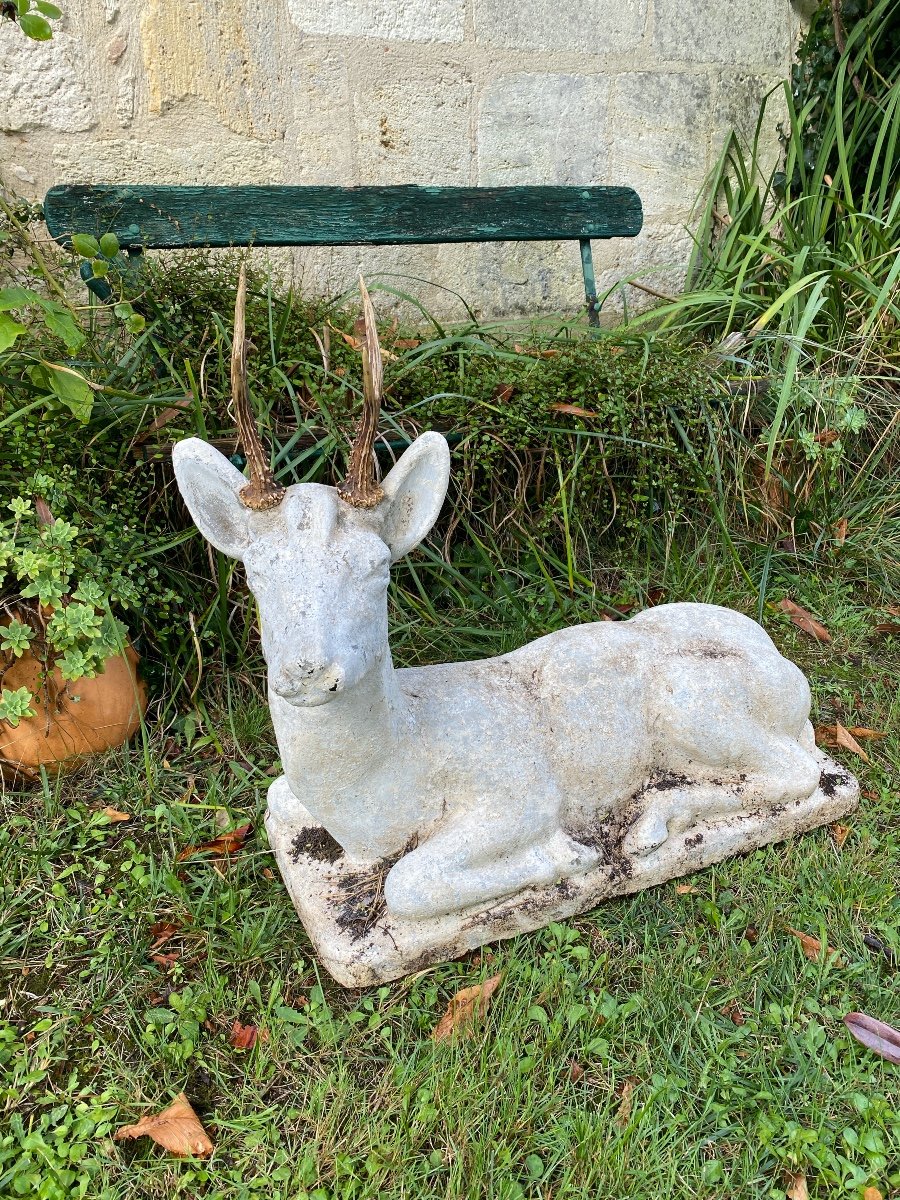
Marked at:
<point>172,217</point>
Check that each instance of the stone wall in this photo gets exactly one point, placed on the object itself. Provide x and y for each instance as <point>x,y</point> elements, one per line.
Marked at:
<point>637,92</point>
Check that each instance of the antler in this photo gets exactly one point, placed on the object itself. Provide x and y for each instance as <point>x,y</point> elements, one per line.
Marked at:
<point>360,488</point>
<point>262,492</point>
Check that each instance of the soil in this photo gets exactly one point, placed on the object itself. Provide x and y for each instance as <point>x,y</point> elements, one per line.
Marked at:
<point>316,842</point>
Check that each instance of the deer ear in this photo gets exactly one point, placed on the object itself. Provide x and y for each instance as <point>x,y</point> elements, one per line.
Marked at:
<point>414,492</point>
<point>210,485</point>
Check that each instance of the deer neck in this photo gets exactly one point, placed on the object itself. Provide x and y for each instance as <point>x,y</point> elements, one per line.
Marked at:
<point>334,747</point>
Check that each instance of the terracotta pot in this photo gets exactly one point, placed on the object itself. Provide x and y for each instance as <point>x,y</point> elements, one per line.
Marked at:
<point>71,720</point>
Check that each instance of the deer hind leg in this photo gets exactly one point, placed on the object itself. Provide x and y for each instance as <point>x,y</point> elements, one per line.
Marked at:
<point>784,770</point>
<point>477,863</point>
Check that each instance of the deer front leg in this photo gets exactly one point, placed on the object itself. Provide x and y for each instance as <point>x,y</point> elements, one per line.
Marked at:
<point>478,860</point>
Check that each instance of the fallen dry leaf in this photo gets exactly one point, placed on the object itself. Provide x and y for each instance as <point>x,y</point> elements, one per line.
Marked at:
<point>840,531</point>
<point>576,1071</point>
<point>804,620</point>
<point>245,1037</point>
<point>868,794</point>
<point>827,437</point>
<point>503,392</point>
<point>165,961</point>
<point>573,410</point>
<point>624,1111</point>
<point>797,1189</point>
<point>875,1035</point>
<point>114,815</point>
<point>406,343</point>
<point>839,833</point>
<point>751,933</point>
<point>268,873</point>
<point>177,1129</point>
<point>843,737</point>
<point>534,353</point>
<point>888,627</point>
<point>872,1193</point>
<point>464,1007</point>
<point>686,889</point>
<point>813,948</point>
<point>224,844</point>
<point>733,1012</point>
<point>161,931</point>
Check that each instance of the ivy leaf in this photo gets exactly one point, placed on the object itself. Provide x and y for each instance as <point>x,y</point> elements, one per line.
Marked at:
<point>73,390</point>
<point>9,331</point>
<point>85,244</point>
<point>35,27</point>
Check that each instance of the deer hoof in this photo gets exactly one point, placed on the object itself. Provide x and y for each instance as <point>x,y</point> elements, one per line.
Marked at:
<point>645,835</point>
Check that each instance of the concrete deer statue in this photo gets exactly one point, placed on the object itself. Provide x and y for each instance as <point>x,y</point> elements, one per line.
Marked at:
<point>469,801</point>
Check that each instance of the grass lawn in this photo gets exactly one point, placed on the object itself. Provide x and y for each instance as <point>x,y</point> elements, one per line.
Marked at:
<point>671,1044</point>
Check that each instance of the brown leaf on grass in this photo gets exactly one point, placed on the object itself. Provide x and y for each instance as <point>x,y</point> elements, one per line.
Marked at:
<point>165,961</point>
<point>840,531</point>
<point>576,1071</point>
<point>245,1037</point>
<point>868,794</point>
<point>464,1007</point>
<point>686,889</point>
<point>177,1129</point>
<point>843,737</point>
<point>161,931</point>
<point>573,410</point>
<point>887,627</point>
<point>532,352</point>
<point>827,437</point>
<point>872,1193</point>
<point>796,1188</point>
<point>829,735</point>
<point>406,343</point>
<point>875,1035</point>
<point>656,595</point>
<point>804,620</point>
<point>114,815</point>
<point>163,419</point>
<point>503,392</point>
<point>732,1010</point>
<point>839,833</point>
<point>223,845</point>
<point>623,1114</point>
<point>813,948</point>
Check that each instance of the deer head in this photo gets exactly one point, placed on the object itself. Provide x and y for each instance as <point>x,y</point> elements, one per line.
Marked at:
<point>316,557</point>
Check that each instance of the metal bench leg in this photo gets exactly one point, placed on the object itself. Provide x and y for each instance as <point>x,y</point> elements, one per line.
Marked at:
<point>590,283</point>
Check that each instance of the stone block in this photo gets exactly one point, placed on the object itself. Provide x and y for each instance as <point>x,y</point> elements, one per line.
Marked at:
<point>543,129</point>
<point>414,126</point>
<point>389,20</point>
<point>41,85</point>
<point>144,159</point>
<point>582,26</point>
<point>661,143</point>
<point>740,32</point>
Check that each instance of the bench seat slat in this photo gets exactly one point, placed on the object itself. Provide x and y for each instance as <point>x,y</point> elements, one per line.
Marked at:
<point>179,217</point>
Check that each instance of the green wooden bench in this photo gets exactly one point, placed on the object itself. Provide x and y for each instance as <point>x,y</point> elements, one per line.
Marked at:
<point>155,218</point>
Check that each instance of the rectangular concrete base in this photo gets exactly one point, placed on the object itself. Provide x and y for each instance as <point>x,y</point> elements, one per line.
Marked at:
<point>360,943</point>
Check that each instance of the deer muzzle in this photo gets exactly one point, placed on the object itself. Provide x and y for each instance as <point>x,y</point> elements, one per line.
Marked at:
<point>306,685</point>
